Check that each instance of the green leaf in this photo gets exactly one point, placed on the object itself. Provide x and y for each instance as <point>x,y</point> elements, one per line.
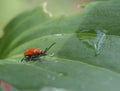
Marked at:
<point>84,58</point>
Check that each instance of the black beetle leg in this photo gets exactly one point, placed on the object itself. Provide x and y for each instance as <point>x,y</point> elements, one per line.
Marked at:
<point>31,58</point>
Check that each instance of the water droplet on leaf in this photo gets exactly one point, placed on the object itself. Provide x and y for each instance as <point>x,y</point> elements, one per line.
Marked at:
<point>58,35</point>
<point>51,55</point>
<point>62,73</point>
<point>56,61</point>
<point>51,77</point>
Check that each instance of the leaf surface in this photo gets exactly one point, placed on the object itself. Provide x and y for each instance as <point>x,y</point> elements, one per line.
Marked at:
<point>84,58</point>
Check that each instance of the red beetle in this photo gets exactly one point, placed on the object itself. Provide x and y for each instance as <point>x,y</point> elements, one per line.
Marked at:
<point>35,53</point>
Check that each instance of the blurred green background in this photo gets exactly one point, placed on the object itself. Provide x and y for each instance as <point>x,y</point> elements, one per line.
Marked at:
<point>10,8</point>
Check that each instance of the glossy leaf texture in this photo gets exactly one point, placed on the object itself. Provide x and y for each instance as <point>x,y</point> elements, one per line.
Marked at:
<point>84,58</point>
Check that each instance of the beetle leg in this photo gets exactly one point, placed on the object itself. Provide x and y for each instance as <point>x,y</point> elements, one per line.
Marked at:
<point>22,59</point>
<point>31,58</point>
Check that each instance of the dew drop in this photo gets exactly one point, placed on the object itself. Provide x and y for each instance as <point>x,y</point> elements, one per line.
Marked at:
<point>51,77</point>
<point>58,35</point>
<point>62,74</point>
<point>51,55</point>
<point>56,61</point>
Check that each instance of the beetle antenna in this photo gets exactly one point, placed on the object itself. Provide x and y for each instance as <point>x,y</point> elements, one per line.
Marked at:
<point>49,47</point>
